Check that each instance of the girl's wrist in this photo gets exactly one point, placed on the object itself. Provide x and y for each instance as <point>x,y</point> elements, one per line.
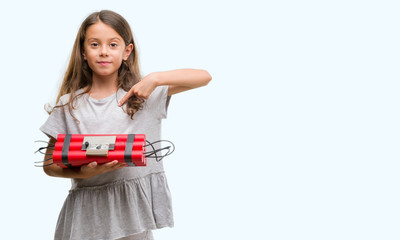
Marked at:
<point>156,78</point>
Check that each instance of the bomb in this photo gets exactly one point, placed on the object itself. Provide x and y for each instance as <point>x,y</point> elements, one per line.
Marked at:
<point>74,150</point>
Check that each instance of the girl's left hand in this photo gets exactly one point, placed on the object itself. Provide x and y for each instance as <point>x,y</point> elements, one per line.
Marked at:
<point>142,89</point>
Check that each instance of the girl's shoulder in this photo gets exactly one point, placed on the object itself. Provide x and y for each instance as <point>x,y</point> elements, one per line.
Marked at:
<point>66,97</point>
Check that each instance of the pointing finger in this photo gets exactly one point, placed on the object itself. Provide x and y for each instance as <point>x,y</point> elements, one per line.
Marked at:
<point>122,101</point>
<point>128,95</point>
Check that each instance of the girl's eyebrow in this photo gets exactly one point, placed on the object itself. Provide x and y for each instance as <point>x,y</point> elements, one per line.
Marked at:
<point>96,39</point>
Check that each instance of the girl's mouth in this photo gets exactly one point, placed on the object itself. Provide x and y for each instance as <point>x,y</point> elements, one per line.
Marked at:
<point>103,63</point>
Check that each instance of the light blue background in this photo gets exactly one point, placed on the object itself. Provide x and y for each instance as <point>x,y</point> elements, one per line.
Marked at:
<point>296,137</point>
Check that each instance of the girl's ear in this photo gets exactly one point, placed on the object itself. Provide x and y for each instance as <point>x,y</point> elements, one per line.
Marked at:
<point>128,51</point>
<point>84,54</point>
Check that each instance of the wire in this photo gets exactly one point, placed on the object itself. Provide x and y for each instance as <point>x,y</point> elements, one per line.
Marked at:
<point>160,157</point>
<point>44,165</point>
<point>49,146</point>
<point>45,160</point>
<point>151,144</point>
<point>158,141</point>
<point>45,142</point>
<point>41,148</point>
<point>154,152</point>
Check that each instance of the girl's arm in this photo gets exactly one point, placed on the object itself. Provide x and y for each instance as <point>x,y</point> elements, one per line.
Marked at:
<point>182,79</point>
<point>178,81</point>
<point>85,171</point>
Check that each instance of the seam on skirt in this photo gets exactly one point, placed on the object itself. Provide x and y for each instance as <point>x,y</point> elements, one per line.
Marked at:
<point>111,184</point>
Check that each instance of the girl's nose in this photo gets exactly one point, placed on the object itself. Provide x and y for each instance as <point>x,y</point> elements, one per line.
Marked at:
<point>104,51</point>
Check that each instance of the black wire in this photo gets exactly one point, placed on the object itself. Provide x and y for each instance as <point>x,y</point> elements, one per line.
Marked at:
<point>45,160</point>
<point>148,156</point>
<point>45,142</point>
<point>49,146</point>
<point>158,142</point>
<point>162,141</point>
<point>159,150</point>
<point>41,148</point>
<point>44,165</point>
<point>154,152</point>
<point>149,143</point>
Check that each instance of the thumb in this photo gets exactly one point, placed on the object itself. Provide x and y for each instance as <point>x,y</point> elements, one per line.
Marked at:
<point>92,164</point>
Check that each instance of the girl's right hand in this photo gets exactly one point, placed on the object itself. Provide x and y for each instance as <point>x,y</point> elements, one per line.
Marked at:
<point>86,171</point>
<point>92,169</point>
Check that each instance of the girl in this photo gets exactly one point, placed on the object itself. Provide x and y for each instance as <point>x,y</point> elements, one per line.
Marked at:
<point>103,93</point>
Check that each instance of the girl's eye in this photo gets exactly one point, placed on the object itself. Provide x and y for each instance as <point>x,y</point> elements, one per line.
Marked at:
<point>113,44</point>
<point>94,44</point>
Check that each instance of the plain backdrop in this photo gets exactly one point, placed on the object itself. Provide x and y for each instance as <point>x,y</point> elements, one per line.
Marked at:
<point>296,136</point>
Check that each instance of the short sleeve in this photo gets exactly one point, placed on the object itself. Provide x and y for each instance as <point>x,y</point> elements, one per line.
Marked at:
<point>55,123</point>
<point>158,101</point>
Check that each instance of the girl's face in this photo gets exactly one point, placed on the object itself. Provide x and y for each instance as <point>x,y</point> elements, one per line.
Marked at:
<point>104,50</point>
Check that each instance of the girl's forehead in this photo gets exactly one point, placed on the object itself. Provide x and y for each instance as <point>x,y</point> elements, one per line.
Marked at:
<point>101,31</point>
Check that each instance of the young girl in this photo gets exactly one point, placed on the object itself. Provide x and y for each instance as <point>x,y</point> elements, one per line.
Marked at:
<point>103,93</point>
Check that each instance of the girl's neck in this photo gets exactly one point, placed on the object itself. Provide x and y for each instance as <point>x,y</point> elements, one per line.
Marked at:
<point>103,86</point>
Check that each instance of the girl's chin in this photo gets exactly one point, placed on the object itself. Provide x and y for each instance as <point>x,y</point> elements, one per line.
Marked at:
<point>105,74</point>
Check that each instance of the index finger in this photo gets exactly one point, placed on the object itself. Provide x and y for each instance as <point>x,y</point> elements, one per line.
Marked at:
<point>128,95</point>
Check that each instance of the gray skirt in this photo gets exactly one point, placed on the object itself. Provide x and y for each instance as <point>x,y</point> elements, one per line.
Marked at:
<point>148,235</point>
<point>116,210</point>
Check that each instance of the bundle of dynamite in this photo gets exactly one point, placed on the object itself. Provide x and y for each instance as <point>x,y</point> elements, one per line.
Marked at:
<point>73,150</point>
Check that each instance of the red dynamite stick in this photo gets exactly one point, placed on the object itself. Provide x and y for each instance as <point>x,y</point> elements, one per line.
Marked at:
<point>137,145</point>
<point>71,149</point>
<point>80,137</point>
<point>80,158</point>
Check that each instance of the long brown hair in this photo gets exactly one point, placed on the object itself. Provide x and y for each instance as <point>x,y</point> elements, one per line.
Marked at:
<point>79,74</point>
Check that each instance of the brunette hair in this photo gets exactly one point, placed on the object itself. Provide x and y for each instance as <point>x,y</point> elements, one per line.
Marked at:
<point>79,74</point>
